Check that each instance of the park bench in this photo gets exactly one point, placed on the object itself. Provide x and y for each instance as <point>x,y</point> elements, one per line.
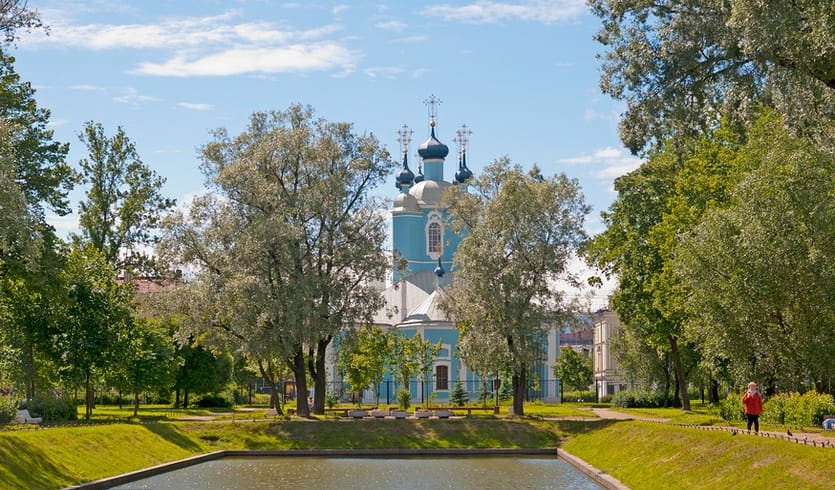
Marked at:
<point>23,417</point>
<point>469,410</point>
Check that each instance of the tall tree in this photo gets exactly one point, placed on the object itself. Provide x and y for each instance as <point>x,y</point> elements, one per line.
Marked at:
<point>362,358</point>
<point>759,270</point>
<point>679,64</point>
<point>291,240</point>
<point>522,229</point>
<point>96,320</point>
<point>124,203</point>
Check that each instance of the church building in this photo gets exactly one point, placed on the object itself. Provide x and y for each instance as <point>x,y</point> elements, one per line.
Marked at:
<point>425,245</point>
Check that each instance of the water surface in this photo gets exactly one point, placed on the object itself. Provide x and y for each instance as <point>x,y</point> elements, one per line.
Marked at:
<point>476,473</point>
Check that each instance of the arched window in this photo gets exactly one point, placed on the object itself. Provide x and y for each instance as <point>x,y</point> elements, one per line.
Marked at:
<point>434,241</point>
<point>441,377</point>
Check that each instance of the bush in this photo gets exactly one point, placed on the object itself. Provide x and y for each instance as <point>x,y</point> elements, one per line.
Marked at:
<point>403,398</point>
<point>574,396</point>
<point>216,400</point>
<point>459,396</point>
<point>807,409</point>
<point>53,409</point>
<point>637,399</point>
<point>8,409</point>
<point>730,408</point>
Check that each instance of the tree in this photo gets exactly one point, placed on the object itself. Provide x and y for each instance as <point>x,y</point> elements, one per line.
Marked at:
<point>759,269</point>
<point>123,204</point>
<point>149,361</point>
<point>15,15</point>
<point>290,241</point>
<point>679,64</point>
<point>362,359</point>
<point>96,319</point>
<point>459,396</point>
<point>201,371</point>
<point>573,369</point>
<point>522,229</point>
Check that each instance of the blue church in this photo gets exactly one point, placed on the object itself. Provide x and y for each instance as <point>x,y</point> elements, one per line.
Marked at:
<point>423,242</point>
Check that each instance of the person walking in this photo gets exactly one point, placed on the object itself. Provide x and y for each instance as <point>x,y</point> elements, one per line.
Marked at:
<point>752,402</point>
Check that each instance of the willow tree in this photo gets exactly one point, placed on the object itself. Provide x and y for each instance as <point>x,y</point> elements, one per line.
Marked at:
<point>521,231</point>
<point>678,64</point>
<point>289,240</point>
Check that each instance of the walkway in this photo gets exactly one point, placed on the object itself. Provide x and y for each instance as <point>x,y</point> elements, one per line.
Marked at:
<point>808,438</point>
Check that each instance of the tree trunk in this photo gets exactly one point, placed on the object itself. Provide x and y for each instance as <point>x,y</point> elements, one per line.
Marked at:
<point>519,382</point>
<point>30,370</point>
<point>135,404</point>
<point>120,399</point>
<point>88,396</point>
<point>714,391</point>
<point>316,365</point>
<point>682,383</point>
<point>177,397</point>
<point>185,397</point>
<point>268,375</point>
<point>300,374</point>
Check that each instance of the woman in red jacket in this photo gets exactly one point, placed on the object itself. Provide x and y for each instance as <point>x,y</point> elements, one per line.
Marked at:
<point>753,403</point>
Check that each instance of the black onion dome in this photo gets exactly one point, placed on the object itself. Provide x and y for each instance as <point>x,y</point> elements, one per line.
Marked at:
<point>405,176</point>
<point>433,149</point>
<point>439,271</point>
<point>463,174</point>
<point>419,176</point>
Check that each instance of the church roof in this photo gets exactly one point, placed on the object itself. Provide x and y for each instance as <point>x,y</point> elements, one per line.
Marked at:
<point>429,192</point>
<point>406,295</point>
<point>428,312</point>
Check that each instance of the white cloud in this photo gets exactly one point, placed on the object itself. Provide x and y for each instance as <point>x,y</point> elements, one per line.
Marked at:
<point>240,61</point>
<point>384,71</point>
<point>615,162</point>
<point>87,88</point>
<point>338,9</point>
<point>57,122</point>
<point>195,106</point>
<point>419,72</point>
<point>411,39</point>
<point>489,12</point>
<point>133,97</point>
<point>210,46</point>
<point>391,25</point>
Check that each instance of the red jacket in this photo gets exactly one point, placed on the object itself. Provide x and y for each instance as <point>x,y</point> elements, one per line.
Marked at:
<point>753,403</point>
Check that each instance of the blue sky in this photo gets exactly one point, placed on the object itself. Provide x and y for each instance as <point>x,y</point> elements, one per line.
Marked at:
<point>522,75</point>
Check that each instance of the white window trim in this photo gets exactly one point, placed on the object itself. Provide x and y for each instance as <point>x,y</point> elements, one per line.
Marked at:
<point>434,217</point>
<point>448,376</point>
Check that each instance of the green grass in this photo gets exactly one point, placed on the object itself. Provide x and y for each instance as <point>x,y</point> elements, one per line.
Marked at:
<point>57,457</point>
<point>558,409</point>
<point>647,455</point>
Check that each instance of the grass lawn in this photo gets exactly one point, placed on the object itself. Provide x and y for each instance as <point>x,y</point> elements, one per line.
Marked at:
<point>647,455</point>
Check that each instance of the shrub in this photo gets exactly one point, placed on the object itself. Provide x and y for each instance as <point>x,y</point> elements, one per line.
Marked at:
<point>403,398</point>
<point>796,409</point>
<point>637,399</point>
<point>53,409</point>
<point>8,409</point>
<point>577,396</point>
<point>459,395</point>
<point>216,400</point>
<point>730,408</point>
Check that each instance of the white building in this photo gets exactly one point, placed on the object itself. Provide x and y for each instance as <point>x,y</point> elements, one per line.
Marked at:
<point>608,378</point>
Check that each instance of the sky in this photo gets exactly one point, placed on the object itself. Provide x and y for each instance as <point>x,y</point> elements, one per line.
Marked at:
<point>523,76</point>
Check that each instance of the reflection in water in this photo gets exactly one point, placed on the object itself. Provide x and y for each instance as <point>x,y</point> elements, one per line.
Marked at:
<point>477,473</point>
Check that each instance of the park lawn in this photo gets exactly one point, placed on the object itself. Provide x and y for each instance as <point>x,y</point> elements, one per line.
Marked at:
<point>700,414</point>
<point>648,455</point>
<point>109,413</point>
<point>572,409</point>
<point>57,457</point>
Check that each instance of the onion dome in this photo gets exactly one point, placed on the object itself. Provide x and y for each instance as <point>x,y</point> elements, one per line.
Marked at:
<point>439,271</point>
<point>406,202</point>
<point>419,177</point>
<point>405,176</point>
<point>463,174</point>
<point>432,149</point>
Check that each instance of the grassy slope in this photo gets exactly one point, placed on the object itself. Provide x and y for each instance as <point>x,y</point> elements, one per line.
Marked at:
<point>646,455</point>
<point>54,458</point>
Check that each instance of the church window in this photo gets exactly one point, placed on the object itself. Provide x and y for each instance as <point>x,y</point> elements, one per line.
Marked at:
<point>441,377</point>
<point>434,240</point>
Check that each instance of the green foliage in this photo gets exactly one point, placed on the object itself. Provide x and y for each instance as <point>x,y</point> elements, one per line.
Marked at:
<point>53,409</point>
<point>216,400</point>
<point>638,399</point>
<point>123,204</point>
<point>521,231</point>
<point>362,358</point>
<point>8,409</point>
<point>459,396</point>
<point>807,409</point>
<point>574,369</point>
<point>731,409</point>
<point>404,397</point>
<point>505,390</point>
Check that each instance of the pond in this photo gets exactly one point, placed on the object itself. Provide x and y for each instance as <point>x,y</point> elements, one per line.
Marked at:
<point>477,473</point>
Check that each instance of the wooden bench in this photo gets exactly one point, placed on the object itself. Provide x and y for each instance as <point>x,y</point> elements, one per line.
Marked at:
<point>469,410</point>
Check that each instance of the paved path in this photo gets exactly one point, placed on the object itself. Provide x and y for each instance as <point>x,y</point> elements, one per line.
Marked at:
<point>808,438</point>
